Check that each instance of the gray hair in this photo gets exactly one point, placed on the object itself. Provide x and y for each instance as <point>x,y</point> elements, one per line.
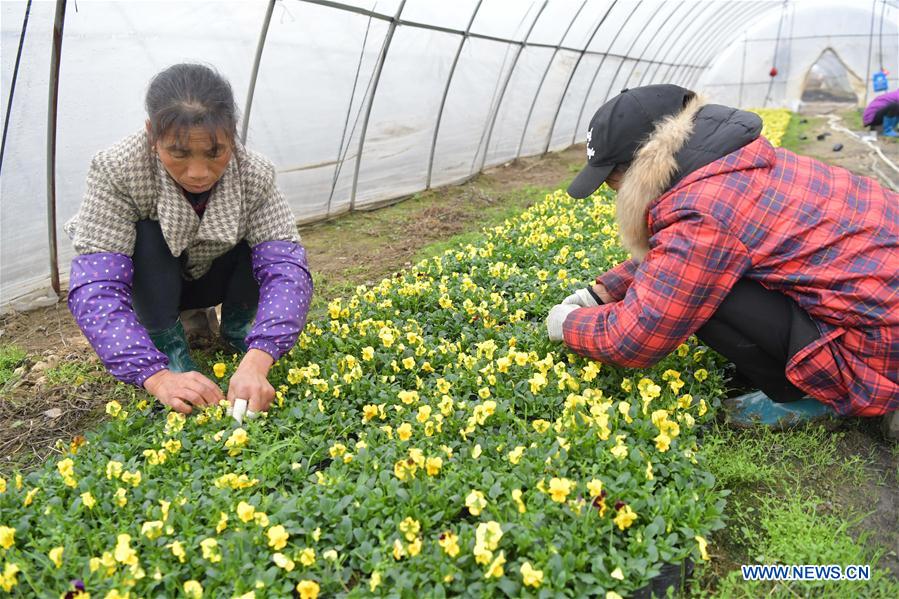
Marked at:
<point>185,96</point>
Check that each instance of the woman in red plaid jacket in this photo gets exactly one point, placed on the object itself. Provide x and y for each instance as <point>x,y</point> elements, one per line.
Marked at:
<point>786,266</point>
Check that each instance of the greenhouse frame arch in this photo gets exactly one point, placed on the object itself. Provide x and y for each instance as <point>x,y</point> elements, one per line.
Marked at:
<point>360,103</point>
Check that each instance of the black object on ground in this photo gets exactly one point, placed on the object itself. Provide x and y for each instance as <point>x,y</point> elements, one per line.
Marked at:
<point>821,136</point>
<point>671,576</point>
<point>803,121</point>
<point>838,147</point>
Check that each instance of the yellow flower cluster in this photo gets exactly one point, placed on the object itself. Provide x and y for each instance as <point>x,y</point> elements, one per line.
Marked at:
<point>442,372</point>
<point>774,123</point>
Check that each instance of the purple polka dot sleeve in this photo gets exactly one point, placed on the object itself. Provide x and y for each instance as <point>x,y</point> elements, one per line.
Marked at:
<point>100,301</point>
<point>285,290</point>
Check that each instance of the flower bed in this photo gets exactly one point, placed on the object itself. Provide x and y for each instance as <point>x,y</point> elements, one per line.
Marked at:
<point>427,438</point>
<point>774,123</point>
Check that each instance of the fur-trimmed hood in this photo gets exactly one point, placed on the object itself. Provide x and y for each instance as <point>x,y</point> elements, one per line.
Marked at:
<point>680,144</point>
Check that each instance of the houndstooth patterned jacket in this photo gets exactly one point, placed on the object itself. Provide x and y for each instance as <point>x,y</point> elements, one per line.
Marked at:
<point>128,183</point>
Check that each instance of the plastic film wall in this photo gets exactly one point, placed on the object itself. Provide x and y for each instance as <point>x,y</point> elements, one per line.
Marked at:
<point>357,103</point>
<point>866,41</point>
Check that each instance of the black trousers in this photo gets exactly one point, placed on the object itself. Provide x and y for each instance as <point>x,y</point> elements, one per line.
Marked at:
<point>891,109</point>
<point>160,291</point>
<point>759,331</point>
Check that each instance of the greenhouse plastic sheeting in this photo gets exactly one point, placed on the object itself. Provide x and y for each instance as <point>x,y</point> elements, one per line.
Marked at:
<point>358,103</point>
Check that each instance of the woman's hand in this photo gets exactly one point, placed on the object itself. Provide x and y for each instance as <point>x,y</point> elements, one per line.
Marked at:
<point>600,290</point>
<point>250,381</point>
<point>182,391</point>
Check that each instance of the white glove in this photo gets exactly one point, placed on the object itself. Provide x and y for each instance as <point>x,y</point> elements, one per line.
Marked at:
<point>557,316</point>
<point>582,298</point>
<point>239,410</point>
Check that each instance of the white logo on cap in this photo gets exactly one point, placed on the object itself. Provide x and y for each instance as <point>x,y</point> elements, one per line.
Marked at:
<point>590,151</point>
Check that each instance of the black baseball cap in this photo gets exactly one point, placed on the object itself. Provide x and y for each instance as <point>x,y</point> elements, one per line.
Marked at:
<point>620,126</point>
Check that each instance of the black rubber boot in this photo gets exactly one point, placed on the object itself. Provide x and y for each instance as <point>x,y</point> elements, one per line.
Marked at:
<point>173,343</point>
<point>236,325</point>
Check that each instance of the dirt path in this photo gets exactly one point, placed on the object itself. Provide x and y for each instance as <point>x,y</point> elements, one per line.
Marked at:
<point>827,120</point>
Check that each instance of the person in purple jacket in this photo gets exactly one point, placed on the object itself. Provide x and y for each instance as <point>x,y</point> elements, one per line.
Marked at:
<point>181,216</point>
<point>883,110</point>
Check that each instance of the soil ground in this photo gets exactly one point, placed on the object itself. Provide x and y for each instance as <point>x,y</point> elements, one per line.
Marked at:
<point>52,387</point>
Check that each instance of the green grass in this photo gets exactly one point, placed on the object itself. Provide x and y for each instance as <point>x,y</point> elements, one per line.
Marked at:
<point>744,457</point>
<point>852,118</point>
<point>792,530</point>
<point>11,357</point>
<point>796,129</point>
<point>74,373</point>
<point>779,512</point>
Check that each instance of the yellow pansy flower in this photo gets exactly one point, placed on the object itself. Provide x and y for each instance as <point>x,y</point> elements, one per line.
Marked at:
<point>475,502</point>
<point>307,556</point>
<point>152,529</point>
<point>625,517</point>
<point>131,478</point>
<point>559,489</point>
<point>209,548</point>
<point>449,542</point>
<point>8,578</point>
<point>375,581</point>
<point>172,446</point>
<point>408,397</point>
<point>193,589</point>
<point>369,412</point>
<point>236,441</point>
<point>515,455</point>
<point>410,528</point>
<point>283,562</point>
<point>495,570</point>
<point>55,556</point>
<point>177,550</point>
<point>663,442</point>
<point>277,537</point>
<point>702,547</point>
<point>414,547</point>
<point>222,523</point>
<point>541,426</point>
<point>404,431</point>
<point>531,577</point>
<point>123,552</point>
<point>308,589</point>
<point>516,497</point>
<point>7,537</point>
<point>219,369</point>
<point>433,465</point>
<point>245,511</point>
<point>399,552</point>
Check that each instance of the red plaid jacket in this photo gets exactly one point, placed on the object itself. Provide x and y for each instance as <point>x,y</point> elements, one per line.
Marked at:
<point>819,234</point>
